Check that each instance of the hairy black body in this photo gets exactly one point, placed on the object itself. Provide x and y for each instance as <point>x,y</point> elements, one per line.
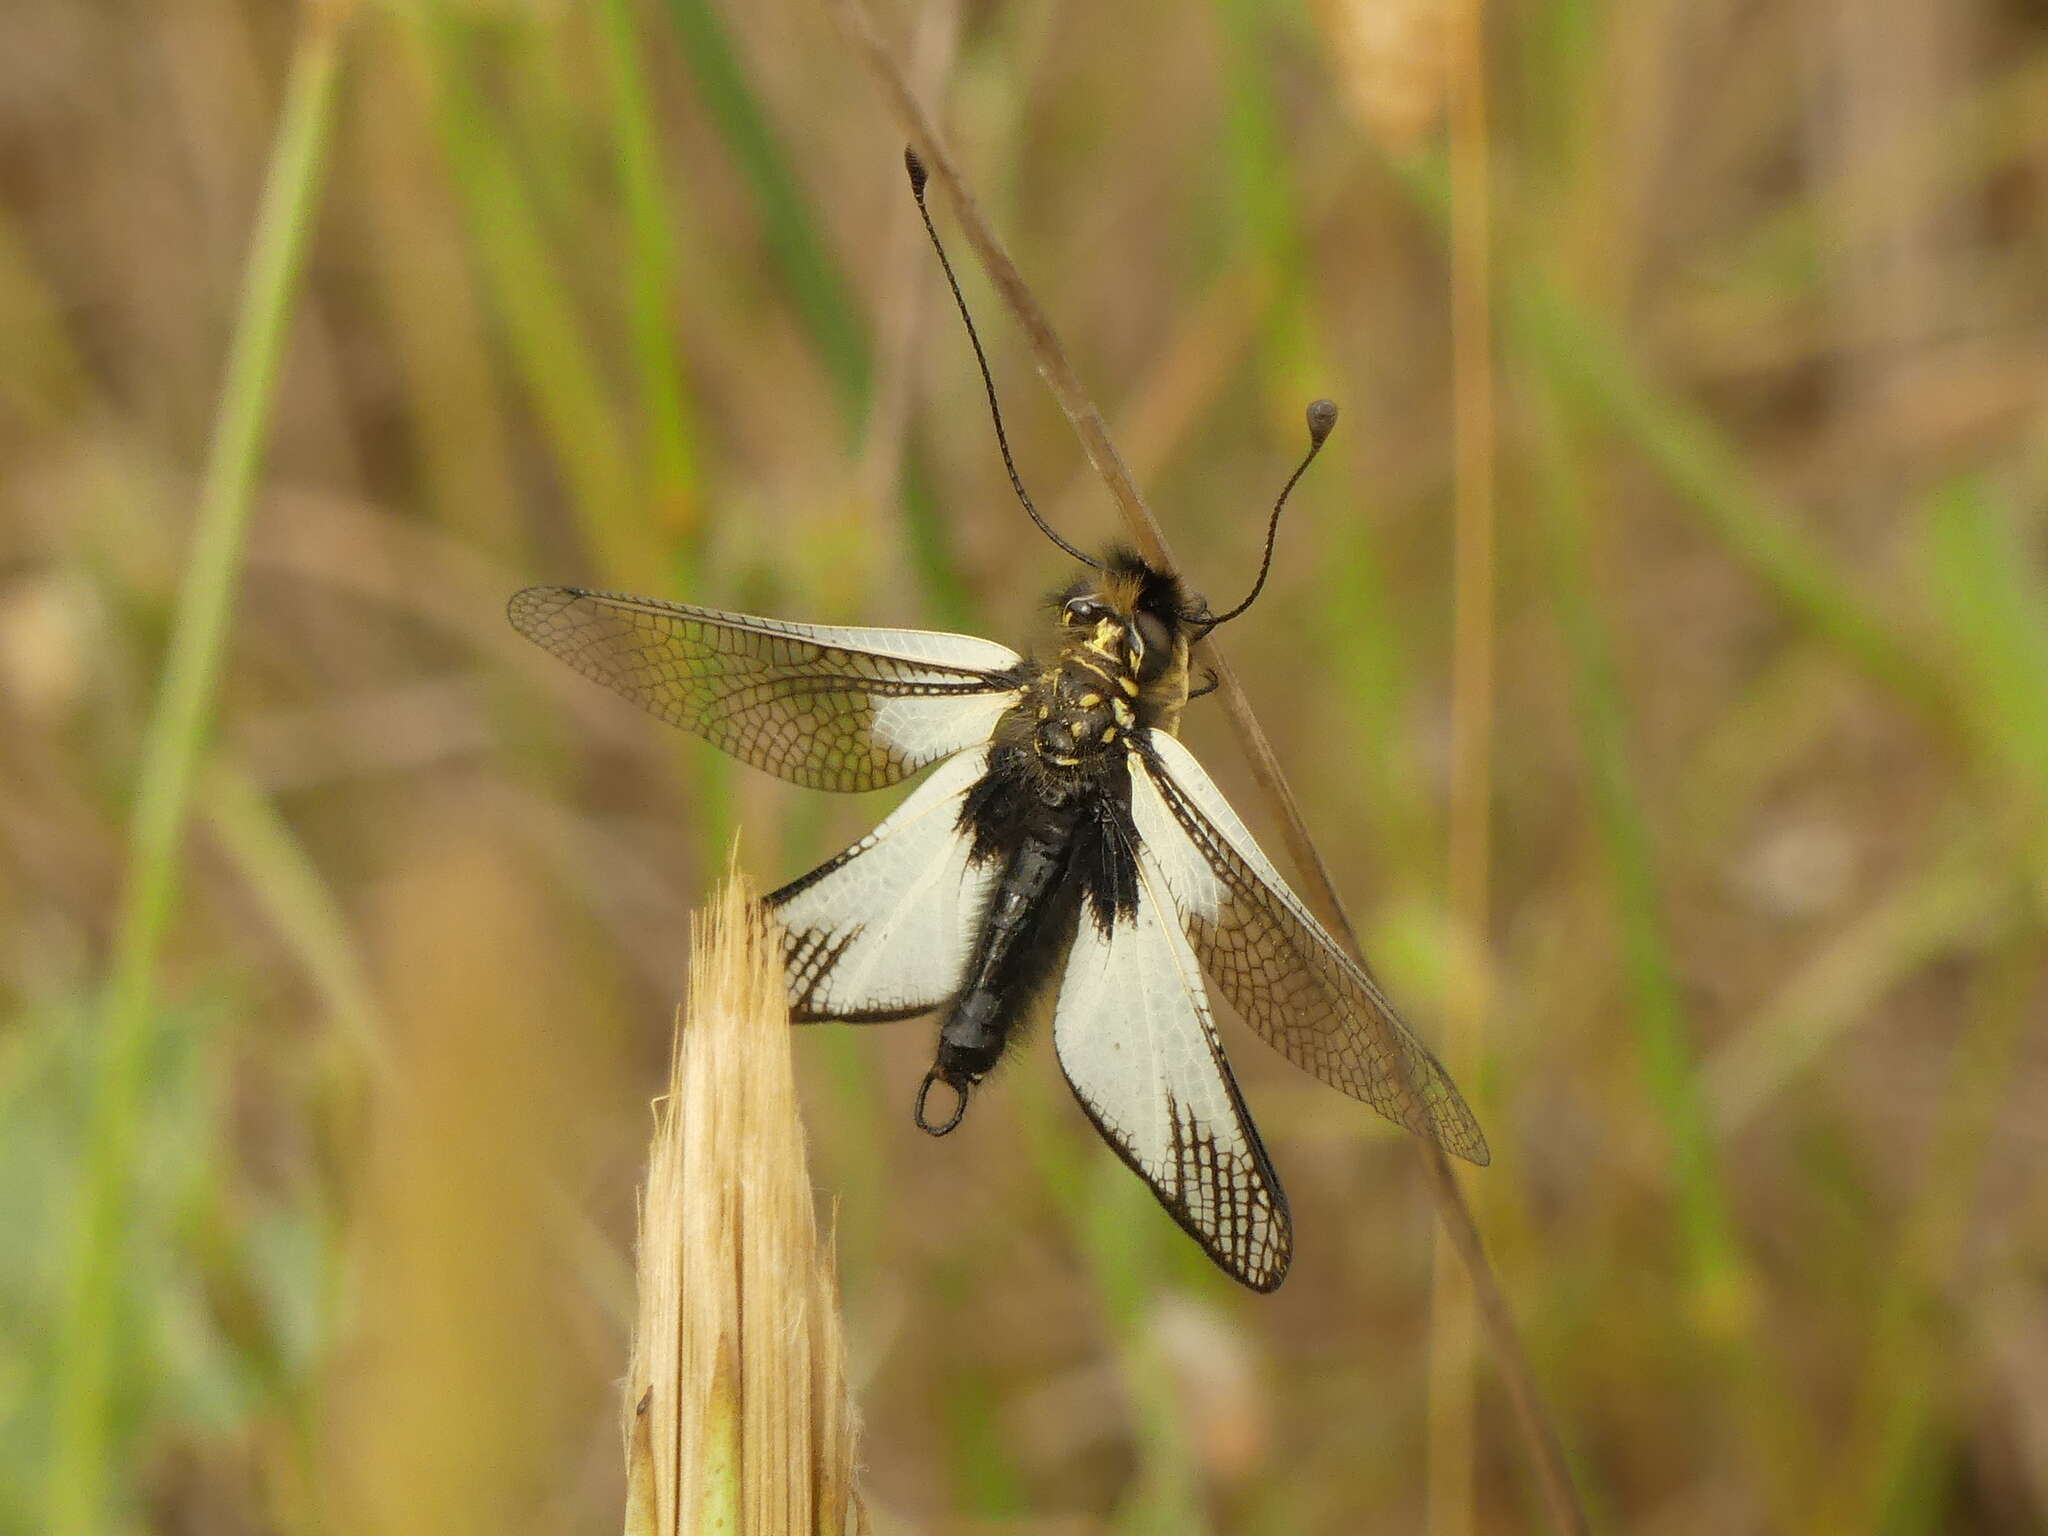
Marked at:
<point>1054,809</point>
<point>1065,850</point>
<point>1020,860</point>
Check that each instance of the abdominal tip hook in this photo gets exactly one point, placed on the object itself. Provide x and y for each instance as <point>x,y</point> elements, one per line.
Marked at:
<point>959,1103</point>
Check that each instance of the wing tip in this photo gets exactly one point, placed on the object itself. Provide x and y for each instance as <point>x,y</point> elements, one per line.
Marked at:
<point>1265,1284</point>
<point>1450,1123</point>
<point>529,609</point>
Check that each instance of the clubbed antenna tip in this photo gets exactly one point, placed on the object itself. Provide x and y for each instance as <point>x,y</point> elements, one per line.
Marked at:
<point>917,172</point>
<point>1322,415</point>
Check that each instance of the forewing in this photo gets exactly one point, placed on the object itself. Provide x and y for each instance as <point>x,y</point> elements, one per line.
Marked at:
<point>1278,966</point>
<point>1135,1038</point>
<point>883,930</point>
<point>826,707</point>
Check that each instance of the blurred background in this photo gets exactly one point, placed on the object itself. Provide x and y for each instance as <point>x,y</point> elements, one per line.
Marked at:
<point>324,1224</point>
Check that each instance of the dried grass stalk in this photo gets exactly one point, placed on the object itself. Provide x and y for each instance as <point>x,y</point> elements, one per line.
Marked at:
<point>1317,890</point>
<point>737,1414</point>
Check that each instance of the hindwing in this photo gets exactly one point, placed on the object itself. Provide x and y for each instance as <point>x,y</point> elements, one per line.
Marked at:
<point>883,931</point>
<point>1135,1038</point>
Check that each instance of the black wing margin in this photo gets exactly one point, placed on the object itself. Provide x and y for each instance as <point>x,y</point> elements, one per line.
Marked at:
<point>1136,1041</point>
<point>1279,967</point>
<point>884,931</point>
<point>822,706</point>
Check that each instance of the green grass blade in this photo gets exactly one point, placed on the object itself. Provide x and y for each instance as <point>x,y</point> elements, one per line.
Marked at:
<point>670,421</point>
<point>823,298</point>
<point>1263,192</point>
<point>1592,364</point>
<point>1720,1287</point>
<point>1587,359</point>
<point>675,478</point>
<point>1722,1303</point>
<point>820,293</point>
<point>1992,602</point>
<point>81,1465</point>
<point>288,885</point>
<point>1891,1453</point>
<point>545,335</point>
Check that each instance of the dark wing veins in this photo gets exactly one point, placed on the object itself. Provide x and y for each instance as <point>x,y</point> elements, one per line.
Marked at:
<point>1134,1036</point>
<point>796,700</point>
<point>1286,977</point>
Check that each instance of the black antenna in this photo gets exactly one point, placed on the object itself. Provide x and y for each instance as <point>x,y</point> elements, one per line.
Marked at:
<point>1322,415</point>
<point>917,180</point>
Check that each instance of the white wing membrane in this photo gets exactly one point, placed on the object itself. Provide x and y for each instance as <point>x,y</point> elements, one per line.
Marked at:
<point>1278,966</point>
<point>1134,1036</point>
<point>883,931</point>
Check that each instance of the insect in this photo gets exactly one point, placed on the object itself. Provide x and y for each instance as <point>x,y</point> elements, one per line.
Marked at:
<point>1067,854</point>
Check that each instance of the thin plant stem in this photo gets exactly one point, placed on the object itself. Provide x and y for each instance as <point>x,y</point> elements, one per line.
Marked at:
<point>818,286</point>
<point>544,333</point>
<point>673,473</point>
<point>1450,1451</point>
<point>1888,1465</point>
<point>1532,1418</point>
<point>669,425</point>
<point>80,1465</point>
<point>284,880</point>
<point>1591,364</point>
<point>790,235</point>
<point>543,330</point>
<point>1724,1300</point>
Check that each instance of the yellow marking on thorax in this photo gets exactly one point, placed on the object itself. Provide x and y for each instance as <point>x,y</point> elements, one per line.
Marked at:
<point>1172,691</point>
<point>1102,675</point>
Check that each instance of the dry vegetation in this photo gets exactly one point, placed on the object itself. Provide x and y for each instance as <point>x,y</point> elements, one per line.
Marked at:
<point>320,1127</point>
<point>736,1410</point>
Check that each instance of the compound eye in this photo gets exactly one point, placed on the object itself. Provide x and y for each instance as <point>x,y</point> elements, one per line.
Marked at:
<point>1081,610</point>
<point>1149,645</point>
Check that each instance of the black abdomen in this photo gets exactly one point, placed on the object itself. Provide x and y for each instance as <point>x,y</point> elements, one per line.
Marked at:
<point>1063,846</point>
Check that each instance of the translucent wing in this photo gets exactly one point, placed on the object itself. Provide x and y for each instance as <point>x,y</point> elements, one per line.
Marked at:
<point>1278,966</point>
<point>826,707</point>
<point>1135,1038</point>
<point>883,930</point>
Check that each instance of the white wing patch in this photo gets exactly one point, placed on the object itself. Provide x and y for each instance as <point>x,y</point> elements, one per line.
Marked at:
<point>1134,1036</point>
<point>939,648</point>
<point>922,729</point>
<point>1189,878</point>
<point>883,930</point>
